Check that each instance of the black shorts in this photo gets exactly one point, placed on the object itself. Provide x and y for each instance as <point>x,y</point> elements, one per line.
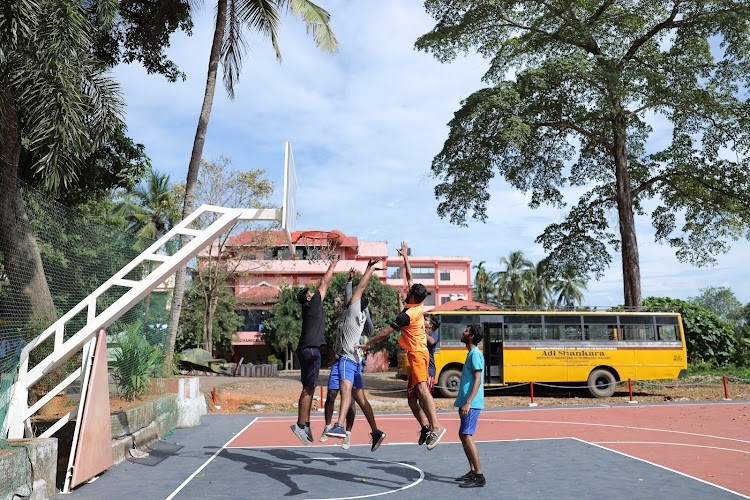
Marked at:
<point>309,360</point>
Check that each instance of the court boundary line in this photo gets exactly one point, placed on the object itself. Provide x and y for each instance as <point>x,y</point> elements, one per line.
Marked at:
<point>663,467</point>
<point>414,467</point>
<point>208,461</point>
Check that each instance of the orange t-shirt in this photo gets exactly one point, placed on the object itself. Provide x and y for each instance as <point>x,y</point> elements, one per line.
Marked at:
<point>413,336</point>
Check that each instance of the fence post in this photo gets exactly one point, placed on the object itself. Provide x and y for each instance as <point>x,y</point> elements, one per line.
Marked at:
<point>726,391</point>
<point>531,392</point>
<point>630,392</point>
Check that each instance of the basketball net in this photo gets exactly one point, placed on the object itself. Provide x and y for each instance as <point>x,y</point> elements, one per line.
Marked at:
<point>319,246</point>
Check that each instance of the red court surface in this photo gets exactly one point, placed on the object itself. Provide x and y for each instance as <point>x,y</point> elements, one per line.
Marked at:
<point>709,442</point>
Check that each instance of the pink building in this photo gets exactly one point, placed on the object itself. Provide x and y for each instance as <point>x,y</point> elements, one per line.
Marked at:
<point>266,265</point>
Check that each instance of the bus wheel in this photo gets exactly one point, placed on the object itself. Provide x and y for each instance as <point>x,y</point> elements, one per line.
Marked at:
<point>449,382</point>
<point>601,383</point>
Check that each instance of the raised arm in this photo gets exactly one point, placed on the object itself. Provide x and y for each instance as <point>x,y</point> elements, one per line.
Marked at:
<point>404,252</point>
<point>362,285</point>
<point>323,286</point>
<point>348,291</point>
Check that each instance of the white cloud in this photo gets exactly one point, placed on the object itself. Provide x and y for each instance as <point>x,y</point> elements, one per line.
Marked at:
<point>365,124</point>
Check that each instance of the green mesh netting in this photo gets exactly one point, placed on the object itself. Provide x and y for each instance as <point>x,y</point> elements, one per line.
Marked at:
<point>51,258</point>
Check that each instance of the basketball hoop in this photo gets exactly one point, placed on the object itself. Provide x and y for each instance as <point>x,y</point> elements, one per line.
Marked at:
<point>319,245</point>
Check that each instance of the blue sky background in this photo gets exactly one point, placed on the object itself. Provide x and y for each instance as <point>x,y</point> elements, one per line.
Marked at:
<point>365,124</point>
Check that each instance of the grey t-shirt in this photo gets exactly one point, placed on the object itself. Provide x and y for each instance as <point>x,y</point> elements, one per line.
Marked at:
<point>351,324</point>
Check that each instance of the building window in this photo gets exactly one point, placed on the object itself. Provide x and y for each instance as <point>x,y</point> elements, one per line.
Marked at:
<point>443,300</point>
<point>430,300</point>
<point>423,272</point>
<point>445,275</point>
<point>394,272</point>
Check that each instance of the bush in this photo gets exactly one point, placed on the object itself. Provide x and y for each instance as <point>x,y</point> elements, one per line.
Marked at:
<point>136,361</point>
<point>273,360</point>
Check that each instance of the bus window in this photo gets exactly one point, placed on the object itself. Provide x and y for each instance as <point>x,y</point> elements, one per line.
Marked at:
<point>600,328</point>
<point>523,327</point>
<point>637,327</point>
<point>562,327</point>
<point>666,329</point>
<point>451,327</point>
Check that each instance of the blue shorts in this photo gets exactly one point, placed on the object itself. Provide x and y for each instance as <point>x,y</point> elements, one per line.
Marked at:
<point>345,369</point>
<point>469,422</point>
<point>309,362</point>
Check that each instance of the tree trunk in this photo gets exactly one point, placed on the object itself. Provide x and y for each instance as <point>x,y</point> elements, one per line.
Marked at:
<point>30,298</point>
<point>631,270</point>
<point>192,176</point>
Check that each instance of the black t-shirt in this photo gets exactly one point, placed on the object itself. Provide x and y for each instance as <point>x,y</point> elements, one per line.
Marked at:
<point>313,323</point>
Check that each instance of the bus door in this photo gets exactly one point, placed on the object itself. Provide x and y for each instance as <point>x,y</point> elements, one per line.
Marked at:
<point>493,353</point>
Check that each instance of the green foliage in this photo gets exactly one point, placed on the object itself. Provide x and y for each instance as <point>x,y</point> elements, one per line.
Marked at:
<point>572,89</point>
<point>709,339</point>
<point>135,362</point>
<point>282,329</point>
<point>226,322</point>
<point>273,360</point>
<point>722,301</point>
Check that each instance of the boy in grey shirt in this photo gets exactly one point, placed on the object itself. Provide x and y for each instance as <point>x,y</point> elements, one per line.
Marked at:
<point>347,366</point>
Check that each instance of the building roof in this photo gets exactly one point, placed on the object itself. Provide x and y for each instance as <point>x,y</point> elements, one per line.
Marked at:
<point>463,305</point>
<point>278,238</point>
<point>262,294</point>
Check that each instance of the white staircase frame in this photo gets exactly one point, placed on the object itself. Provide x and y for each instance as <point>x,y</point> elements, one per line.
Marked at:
<point>18,420</point>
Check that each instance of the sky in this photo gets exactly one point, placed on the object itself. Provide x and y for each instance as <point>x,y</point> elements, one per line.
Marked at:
<point>365,124</point>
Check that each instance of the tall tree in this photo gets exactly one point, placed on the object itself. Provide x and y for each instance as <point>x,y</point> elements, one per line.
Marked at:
<point>151,208</point>
<point>573,87</point>
<point>515,283</point>
<point>228,47</point>
<point>57,102</point>
<point>218,184</point>
<point>721,301</point>
<point>485,284</point>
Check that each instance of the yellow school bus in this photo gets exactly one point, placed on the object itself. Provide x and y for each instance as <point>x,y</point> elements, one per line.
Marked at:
<point>596,348</point>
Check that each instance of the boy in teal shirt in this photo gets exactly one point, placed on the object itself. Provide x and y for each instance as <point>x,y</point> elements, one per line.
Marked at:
<point>470,401</point>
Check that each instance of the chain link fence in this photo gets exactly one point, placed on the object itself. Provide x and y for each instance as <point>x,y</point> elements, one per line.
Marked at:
<point>51,258</point>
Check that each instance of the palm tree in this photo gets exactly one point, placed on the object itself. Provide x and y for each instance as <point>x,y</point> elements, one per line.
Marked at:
<point>485,284</point>
<point>228,47</point>
<point>516,282</point>
<point>541,287</point>
<point>151,208</point>
<point>55,97</point>
<point>568,288</point>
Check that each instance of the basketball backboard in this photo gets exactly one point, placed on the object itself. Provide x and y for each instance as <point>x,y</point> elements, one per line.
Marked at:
<point>289,207</point>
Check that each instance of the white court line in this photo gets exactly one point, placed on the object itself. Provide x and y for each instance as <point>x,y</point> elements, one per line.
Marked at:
<point>662,443</point>
<point>554,422</point>
<point>421,478</point>
<point>190,478</point>
<point>663,467</point>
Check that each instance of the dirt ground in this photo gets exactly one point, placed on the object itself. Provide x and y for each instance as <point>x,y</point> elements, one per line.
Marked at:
<point>387,393</point>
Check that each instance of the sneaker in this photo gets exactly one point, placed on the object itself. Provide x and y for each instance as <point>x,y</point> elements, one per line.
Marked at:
<point>465,477</point>
<point>337,431</point>
<point>309,433</point>
<point>376,437</point>
<point>423,434</point>
<point>300,432</point>
<point>345,444</point>
<point>476,481</point>
<point>324,437</point>
<point>434,437</point>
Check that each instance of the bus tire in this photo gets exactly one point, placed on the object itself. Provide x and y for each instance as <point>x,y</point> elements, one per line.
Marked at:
<point>449,382</point>
<point>601,383</point>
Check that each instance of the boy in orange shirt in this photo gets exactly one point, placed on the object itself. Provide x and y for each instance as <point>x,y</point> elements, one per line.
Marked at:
<point>413,339</point>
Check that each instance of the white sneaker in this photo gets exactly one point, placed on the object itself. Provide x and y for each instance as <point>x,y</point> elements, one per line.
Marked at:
<point>345,444</point>
<point>324,437</point>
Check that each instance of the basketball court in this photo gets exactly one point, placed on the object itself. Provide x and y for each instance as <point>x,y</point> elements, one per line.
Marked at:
<point>680,451</point>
